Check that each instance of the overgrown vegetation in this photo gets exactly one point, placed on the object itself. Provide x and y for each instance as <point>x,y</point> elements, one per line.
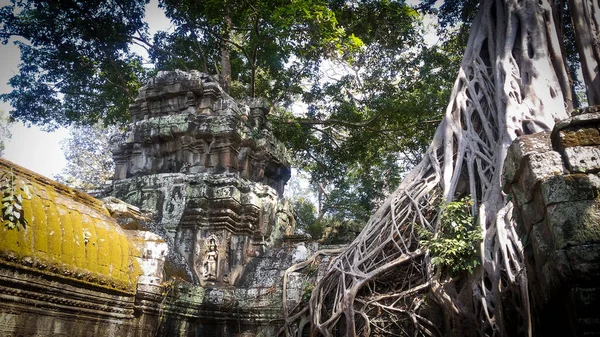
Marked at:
<point>14,192</point>
<point>454,245</point>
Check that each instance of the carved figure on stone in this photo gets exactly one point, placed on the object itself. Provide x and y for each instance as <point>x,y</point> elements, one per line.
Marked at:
<point>285,218</point>
<point>210,261</point>
<point>207,150</point>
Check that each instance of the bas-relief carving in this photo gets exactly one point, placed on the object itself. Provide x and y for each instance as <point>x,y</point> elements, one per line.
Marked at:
<point>211,259</point>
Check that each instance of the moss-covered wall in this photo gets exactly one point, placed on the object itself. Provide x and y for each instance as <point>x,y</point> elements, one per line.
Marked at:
<point>69,235</point>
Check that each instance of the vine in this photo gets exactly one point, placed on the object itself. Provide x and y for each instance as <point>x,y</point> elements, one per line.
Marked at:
<point>14,191</point>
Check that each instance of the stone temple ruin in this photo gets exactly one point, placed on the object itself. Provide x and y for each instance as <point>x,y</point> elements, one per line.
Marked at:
<point>191,239</point>
<point>210,172</point>
<point>194,236</point>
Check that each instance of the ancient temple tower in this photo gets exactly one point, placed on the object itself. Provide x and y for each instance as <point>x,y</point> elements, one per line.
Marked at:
<point>209,171</point>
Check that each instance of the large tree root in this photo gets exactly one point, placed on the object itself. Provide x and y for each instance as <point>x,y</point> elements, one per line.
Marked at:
<point>384,283</point>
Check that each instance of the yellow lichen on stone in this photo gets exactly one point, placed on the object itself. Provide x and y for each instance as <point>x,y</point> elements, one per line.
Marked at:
<point>103,248</point>
<point>78,245</point>
<point>67,251</point>
<point>125,257</point>
<point>54,230</point>
<point>69,235</point>
<point>39,225</point>
<point>90,242</point>
<point>115,258</point>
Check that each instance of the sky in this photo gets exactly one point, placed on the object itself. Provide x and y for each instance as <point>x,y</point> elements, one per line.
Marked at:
<point>31,147</point>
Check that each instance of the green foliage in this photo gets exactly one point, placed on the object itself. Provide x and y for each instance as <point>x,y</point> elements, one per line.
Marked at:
<point>307,289</point>
<point>454,245</point>
<point>89,158</point>
<point>272,44</point>
<point>14,191</point>
<point>374,91</point>
<point>340,231</point>
<point>305,212</point>
<point>364,127</point>
<point>76,62</point>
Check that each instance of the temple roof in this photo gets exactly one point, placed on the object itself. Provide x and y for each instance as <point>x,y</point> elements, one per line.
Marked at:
<point>69,234</point>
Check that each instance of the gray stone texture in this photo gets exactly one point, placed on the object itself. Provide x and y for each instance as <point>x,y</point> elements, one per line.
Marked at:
<point>558,212</point>
<point>583,159</point>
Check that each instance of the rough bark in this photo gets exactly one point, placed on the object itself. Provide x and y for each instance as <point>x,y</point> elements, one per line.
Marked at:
<point>510,83</point>
<point>585,15</point>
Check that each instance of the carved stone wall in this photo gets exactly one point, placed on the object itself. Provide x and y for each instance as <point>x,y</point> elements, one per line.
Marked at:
<point>184,122</point>
<point>209,170</point>
<point>211,175</point>
<point>553,179</point>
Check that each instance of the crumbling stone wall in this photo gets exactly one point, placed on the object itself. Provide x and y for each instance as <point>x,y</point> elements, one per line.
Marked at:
<point>553,180</point>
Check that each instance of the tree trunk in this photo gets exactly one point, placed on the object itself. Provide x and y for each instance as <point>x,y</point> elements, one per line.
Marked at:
<point>511,82</point>
<point>225,52</point>
<point>586,21</point>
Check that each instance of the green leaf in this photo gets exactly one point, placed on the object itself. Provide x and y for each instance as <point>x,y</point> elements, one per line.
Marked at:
<point>25,190</point>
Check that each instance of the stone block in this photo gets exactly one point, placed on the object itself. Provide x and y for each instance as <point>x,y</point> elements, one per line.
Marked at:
<point>554,275</point>
<point>583,159</point>
<point>586,117</point>
<point>527,144</point>
<point>574,223</point>
<point>586,301</point>
<point>542,243</point>
<point>533,211</point>
<point>574,187</point>
<point>538,167</point>
<point>571,137</point>
<point>520,196</point>
<point>585,263</point>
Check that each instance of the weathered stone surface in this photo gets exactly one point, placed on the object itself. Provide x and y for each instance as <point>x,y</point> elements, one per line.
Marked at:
<point>585,263</point>
<point>586,117</point>
<point>579,137</point>
<point>542,242</point>
<point>532,212</point>
<point>522,146</point>
<point>554,275</point>
<point>574,223</point>
<point>536,168</point>
<point>151,254</point>
<point>558,219</point>
<point>583,159</point>
<point>573,187</point>
<point>184,122</point>
<point>70,235</point>
<point>36,305</point>
<point>71,272</point>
